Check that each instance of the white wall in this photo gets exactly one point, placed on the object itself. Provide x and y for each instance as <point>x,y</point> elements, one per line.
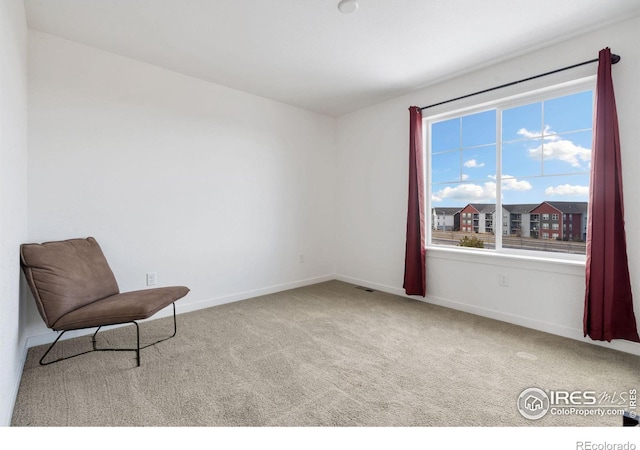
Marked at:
<point>13,196</point>
<point>372,172</point>
<point>209,187</point>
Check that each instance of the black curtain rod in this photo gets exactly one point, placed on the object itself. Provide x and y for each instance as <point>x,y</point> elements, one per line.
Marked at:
<point>614,60</point>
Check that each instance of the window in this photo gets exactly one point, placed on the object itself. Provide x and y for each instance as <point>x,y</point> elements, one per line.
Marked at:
<point>526,156</point>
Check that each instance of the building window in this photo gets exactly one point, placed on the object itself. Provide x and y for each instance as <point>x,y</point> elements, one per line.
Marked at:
<point>542,143</point>
<point>555,226</point>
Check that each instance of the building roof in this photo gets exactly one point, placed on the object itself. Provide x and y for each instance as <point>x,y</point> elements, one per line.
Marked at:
<point>484,207</point>
<point>447,211</point>
<point>570,207</point>
<point>521,208</point>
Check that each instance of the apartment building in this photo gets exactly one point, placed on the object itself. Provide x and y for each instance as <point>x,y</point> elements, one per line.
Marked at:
<point>547,220</point>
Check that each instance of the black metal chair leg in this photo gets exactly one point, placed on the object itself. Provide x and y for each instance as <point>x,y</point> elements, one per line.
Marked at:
<point>59,359</point>
<point>93,339</point>
<point>96,349</point>
<point>137,343</point>
<point>49,349</point>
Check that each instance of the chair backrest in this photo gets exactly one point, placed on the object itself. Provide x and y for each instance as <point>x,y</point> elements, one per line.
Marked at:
<point>66,275</point>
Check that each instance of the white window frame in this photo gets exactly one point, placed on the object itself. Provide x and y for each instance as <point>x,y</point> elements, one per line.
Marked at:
<point>502,103</point>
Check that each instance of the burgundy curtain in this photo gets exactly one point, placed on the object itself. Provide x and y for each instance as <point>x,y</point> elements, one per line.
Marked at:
<point>414,264</point>
<point>608,312</point>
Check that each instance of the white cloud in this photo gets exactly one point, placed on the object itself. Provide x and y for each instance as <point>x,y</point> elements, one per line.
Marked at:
<point>564,150</point>
<point>465,176</point>
<point>479,193</point>
<point>512,184</point>
<point>473,163</point>
<point>536,134</point>
<point>567,189</point>
<point>467,193</point>
<point>554,147</point>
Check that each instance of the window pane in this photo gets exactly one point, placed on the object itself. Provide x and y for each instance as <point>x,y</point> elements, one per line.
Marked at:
<point>445,135</point>
<point>567,153</point>
<point>569,113</point>
<point>522,159</point>
<point>539,206</point>
<point>445,167</point>
<point>479,164</point>
<point>479,129</point>
<point>522,122</point>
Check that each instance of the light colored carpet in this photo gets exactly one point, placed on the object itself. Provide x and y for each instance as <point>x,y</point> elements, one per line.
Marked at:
<point>324,355</point>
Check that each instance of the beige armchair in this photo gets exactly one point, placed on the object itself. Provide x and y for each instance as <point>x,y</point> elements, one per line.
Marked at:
<point>74,288</point>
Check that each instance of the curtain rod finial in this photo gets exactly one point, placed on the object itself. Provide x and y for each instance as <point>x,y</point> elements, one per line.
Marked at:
<point>615,59</point>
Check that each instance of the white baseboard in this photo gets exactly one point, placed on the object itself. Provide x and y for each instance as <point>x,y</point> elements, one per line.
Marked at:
<point>547,327</point>
<point>7,414</point>
<point>376,286</point>
<point>202,304</point>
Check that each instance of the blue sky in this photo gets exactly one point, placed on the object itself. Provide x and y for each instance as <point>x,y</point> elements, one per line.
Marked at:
<point>546,154</point>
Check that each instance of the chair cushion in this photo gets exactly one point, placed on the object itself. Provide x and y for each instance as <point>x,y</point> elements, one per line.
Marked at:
<point>121,308</point>
<point>66,275</point>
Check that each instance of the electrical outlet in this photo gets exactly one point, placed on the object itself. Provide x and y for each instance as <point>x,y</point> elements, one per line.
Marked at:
<point>503,279</point>
<point>151,279</point>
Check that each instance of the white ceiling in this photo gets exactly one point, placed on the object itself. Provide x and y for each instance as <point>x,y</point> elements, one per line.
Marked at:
<point>306,53</point>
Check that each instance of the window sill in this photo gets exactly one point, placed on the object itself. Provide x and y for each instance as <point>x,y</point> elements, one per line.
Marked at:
<point>506,259</point>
